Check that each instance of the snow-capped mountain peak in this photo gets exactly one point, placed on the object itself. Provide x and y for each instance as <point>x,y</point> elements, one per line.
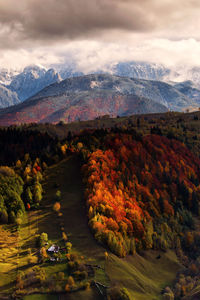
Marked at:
<point>6,76</point>
<point>32,80</point>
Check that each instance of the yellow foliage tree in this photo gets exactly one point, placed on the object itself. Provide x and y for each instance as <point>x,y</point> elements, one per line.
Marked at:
<point>79,146</point>
<point>64,236</point>
<point>106,255</point>
<point>63,148</point>
<point>43,252</point>
<point>70,281</point>
<point>18,164</point>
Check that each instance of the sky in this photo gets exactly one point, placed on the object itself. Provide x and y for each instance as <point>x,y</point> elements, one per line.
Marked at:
<point>95,33</point>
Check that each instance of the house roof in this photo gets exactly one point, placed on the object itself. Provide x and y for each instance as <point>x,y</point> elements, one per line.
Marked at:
<point>53,248</point>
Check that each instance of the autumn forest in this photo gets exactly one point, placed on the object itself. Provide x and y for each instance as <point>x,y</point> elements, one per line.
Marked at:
<point>140,192</point>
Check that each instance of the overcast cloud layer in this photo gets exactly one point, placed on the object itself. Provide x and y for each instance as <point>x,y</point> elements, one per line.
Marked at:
<point>101,31</point>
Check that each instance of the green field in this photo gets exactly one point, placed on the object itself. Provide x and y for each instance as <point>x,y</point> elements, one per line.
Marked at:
<point>144,276</point>
<point>15,248</point>
<point>40,297</point>
<point>67,175</point>
<point>89,295</point>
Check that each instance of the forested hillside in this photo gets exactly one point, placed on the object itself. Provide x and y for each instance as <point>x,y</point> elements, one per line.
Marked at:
<point>134,185</point>
<point>139,192</point>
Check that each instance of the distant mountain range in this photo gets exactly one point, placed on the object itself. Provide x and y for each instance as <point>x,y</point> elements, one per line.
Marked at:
<point>159,92</point>
<point>141,70</point>
<point>139,88</point>
<point>189,89</point>
<point>90,96</point>
<point>34,78</point>
<point>23,85</point>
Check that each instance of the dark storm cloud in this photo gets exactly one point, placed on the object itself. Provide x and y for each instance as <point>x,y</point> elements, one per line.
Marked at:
<point>80,18</point>
<point>70,19</point>
<point>30,21</point>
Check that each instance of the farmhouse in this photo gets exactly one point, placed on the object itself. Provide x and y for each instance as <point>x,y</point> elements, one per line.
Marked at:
<point>53,249</point>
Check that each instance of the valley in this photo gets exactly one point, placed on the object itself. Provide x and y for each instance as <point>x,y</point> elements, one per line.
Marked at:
<point>132,272</point>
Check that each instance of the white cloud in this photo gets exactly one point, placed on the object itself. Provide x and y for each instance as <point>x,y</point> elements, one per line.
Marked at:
<point>20,58</point>
<point>95,33</point>
<point>90,55</point>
